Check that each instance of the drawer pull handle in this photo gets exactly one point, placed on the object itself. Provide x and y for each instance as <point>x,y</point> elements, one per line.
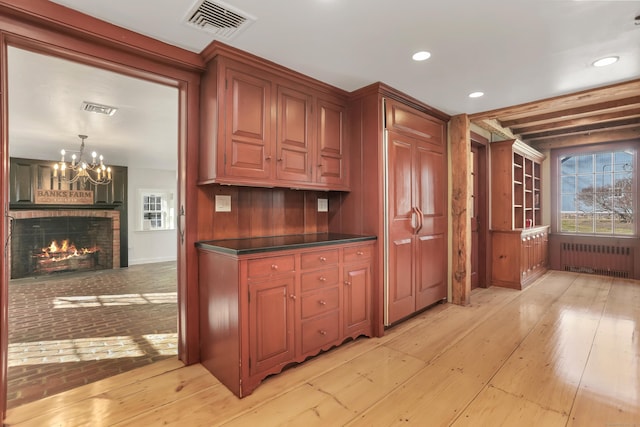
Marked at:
<point>323,259</point>
<point>274,266</point>
<point>292,296</point>
<point>322,302</point>
<point>322,279</point>
<point>322,332</point>
<point>348,283</point>
<point>359,253</point>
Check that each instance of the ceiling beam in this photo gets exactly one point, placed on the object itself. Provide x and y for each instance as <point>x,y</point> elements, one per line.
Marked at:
<point>618,103</point>
<point>494,127</point>
<point>617,91</point>
<point>586,139</point>
<point>587,120</point>
<point>618,124</point>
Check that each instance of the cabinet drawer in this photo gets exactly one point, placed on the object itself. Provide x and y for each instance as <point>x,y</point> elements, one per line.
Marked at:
<point>319,302</point>
<point>357,253</point>
<point>318,259</point>
<point>319,279</point>
<point>271,265</point>
<point>319,332</point>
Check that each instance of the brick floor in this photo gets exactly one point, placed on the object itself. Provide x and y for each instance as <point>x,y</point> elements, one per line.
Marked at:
<point>67,330</point>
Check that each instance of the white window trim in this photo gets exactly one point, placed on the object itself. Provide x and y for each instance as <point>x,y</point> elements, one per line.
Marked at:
<point>167,209</point>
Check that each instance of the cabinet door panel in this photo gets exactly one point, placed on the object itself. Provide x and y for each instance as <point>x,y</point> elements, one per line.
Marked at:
<point>271,334</point>
<point>357,297</point>
<point>430,179</point>
<point>431,267</point>
<point>330,143</point>
<point>294,154</point>
<point>248,126</point>
<point>401,296</point>
<point>21,181</point>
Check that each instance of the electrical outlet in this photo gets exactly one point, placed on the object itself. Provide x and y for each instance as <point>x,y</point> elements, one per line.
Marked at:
<point>223,203</point>
<point>323,205</point>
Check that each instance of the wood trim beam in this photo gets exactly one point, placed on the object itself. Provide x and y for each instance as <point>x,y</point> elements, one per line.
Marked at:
<point>616,91</point>
<point>496,128</point>
<point>618,124</point>
<point>569,123</point>
<point>633,101</point>
<point>459,134</point>
<point>586,139</point>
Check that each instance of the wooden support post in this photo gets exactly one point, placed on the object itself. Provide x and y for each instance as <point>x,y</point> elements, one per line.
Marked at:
<point>460,220</point>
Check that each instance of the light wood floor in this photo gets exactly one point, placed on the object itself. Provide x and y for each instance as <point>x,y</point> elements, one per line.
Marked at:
<point>564,352</point>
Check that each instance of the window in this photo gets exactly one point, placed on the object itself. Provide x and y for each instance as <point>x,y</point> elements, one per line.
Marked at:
<point>595,190</point>
<point>156,210</point>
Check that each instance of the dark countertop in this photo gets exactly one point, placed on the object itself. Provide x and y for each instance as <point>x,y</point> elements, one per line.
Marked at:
<point>277,243</point>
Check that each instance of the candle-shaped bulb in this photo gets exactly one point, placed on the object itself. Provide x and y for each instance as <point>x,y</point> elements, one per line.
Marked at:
<point>73,160</point>
<point>55,170</point>
<point>108,173</point>
<point>62,153</point>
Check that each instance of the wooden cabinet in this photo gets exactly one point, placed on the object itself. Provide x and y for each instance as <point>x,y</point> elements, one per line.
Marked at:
<point>416,213</point>
<point>519,240</point>
<point>262,127</point>
<point>519,256</point>
<point>262,311</point>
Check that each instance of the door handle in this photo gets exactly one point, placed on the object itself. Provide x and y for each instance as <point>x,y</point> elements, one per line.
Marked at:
<point>420,219</point>
<point>415,219</point>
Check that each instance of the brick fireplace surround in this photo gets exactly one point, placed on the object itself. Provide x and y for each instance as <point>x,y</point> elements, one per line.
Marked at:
<point>114,215</point>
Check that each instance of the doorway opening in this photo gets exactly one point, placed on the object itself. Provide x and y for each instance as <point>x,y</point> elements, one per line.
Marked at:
<point>479,212</point>
<point>70,326</point>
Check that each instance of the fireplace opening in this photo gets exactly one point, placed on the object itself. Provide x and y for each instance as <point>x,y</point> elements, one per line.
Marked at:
<point>41,246</point>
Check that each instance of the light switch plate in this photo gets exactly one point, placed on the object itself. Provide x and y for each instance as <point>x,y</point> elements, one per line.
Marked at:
<point>223,203</point>
<point>323,205</point>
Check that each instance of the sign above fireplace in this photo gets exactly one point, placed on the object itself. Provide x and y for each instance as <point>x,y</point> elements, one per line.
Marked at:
<point>59,197</point>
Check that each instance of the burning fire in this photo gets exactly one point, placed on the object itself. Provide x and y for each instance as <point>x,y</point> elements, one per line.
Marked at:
<point>64,250</point>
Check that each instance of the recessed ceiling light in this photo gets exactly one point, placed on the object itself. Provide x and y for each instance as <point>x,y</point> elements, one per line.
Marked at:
<point>603,62</point>
<point>421,56</point>
<point>476,94</point>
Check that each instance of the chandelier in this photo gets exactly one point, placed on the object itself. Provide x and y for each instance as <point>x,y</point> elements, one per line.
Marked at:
<point>80,170</point>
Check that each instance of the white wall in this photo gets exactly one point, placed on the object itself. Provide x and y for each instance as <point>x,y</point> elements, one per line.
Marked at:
<point>150,246</point>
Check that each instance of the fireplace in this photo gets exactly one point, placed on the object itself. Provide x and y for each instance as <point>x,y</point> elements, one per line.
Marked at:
<point>48,242</point>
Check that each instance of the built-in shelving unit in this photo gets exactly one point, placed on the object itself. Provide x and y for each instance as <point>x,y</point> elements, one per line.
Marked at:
<point>519,240</point>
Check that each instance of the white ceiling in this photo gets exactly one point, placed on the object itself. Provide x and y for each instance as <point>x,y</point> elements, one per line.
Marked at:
<point>515,51</point>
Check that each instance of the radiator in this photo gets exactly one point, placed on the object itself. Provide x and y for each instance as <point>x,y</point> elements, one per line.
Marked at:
<point>607,260</point>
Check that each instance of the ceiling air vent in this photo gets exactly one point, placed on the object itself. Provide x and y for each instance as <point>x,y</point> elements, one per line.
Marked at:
<point>219,18</point>
<point>98,108</point>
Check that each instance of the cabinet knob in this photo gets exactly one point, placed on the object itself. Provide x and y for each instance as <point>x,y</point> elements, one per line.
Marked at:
<point>292,296</point>
<point>274,266</point>
<point>323,259</point>
<point>322,279</point>
<point>320,165</point>
<point>359,253</point>
<point>348,283</point>
<point>322,332</point>
<point>279,160</point>
<point>322,302</point>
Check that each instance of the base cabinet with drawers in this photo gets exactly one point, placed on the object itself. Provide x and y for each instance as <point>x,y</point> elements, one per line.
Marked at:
<point>262,311</point>
<point>519,256</point>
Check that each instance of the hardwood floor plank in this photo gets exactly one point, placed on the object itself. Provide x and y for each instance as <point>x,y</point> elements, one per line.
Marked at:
<point>502,361</point>
<point>495,407</point>
<point>430,338</point>
<point>609,392</point>
<point>120,403</point>
<point>547,367</point>
<point>58,402</point>
<point>440,391</point>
